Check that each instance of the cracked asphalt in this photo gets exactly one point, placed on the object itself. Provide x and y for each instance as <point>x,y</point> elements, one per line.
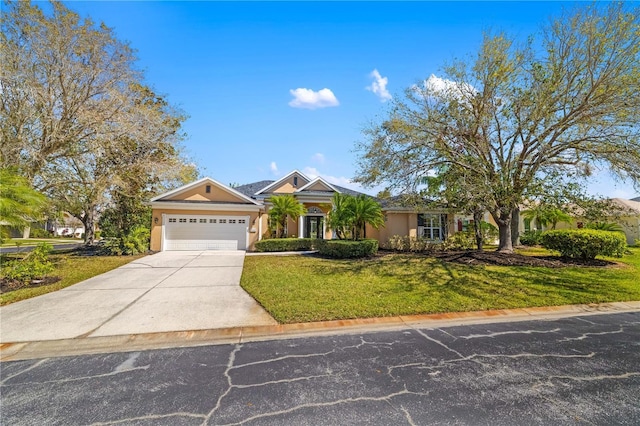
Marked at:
<point>578,370</point>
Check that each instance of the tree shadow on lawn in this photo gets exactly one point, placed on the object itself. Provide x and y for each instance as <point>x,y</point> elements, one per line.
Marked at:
<point>527,286</point>
<point>459,285</point>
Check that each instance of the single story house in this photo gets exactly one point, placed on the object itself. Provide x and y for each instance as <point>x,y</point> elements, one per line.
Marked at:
<point>208,215</point>
<point>628,217</point>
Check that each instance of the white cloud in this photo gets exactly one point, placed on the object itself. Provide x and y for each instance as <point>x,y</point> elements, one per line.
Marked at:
<point>312,173</point>
<point>318,158</point>
<point>379,86</point>
<point>274,168</point>
<point>436,86</point>
<point>308,99</point>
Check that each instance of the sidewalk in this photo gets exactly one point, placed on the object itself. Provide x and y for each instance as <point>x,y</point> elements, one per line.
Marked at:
<point>137,342</point>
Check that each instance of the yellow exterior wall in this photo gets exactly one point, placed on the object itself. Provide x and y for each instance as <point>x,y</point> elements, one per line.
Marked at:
<point>156,229</point>
<point>400,223</point>
<point>318,186</point>
<point>287,187</point>
<point>199,194</point>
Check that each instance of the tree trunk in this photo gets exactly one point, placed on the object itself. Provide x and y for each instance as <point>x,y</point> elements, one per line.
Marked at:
<point>88,221</point>
<point>504,227</point>
<point>477,227</point>
<point>515,227</point>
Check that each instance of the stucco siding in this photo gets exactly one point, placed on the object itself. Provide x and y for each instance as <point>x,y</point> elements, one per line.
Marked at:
<point>200,194</point>
<point>156,228</point>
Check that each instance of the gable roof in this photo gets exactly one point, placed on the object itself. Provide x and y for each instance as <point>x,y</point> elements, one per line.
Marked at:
<point>274,184</point>
<point>320,181</point>
<point>631,206</point>
<point>250,189</point>
<point>199,182</point>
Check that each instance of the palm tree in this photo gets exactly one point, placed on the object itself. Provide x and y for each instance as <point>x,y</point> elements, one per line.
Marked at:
<point>340,215</point>
<point>20,204</point>
<point>606,226</point>
<point>546,215</point>
<point>365,210</point>
<point>284,207</point>
<point>350,215</point>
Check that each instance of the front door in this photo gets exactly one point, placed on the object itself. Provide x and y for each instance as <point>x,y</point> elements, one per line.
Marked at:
<point>313,227</point>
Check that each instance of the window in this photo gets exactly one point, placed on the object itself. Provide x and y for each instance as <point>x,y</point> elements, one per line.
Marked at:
<point>232,221</point>
<point>193,220</point>
<point>172,220</point>
<point>213,220</point>
<point>430,226</point>
<point>527,225</point>
<point>208,189</point>
<point>295,181</point>
<point>242,221</point>
<point>203,220</point>
<point>223,220</point>
<point>182,220</point>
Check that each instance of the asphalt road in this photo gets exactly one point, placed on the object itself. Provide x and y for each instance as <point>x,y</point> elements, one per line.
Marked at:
<point>580,370</point>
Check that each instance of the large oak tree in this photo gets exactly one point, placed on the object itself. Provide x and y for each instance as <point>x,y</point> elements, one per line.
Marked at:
<point>75,115</point>
<point>515,114</point>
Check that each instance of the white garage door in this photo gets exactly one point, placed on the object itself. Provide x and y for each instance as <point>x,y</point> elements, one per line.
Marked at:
<point>205,232</point>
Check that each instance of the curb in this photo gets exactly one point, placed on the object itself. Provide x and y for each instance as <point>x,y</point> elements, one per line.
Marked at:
<point>14,351</point>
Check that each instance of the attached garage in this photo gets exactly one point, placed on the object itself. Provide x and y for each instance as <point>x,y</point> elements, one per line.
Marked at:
<point>205,232</point>
<point>205,215</point>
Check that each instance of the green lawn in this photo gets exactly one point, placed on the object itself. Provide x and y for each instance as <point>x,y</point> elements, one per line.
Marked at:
<point>71,269</point>
<point>300,288</point>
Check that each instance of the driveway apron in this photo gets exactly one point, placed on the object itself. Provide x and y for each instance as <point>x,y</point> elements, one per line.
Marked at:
<point>164,292</point>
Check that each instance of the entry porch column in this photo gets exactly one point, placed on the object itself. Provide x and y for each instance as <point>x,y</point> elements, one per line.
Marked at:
<point>301,226</point>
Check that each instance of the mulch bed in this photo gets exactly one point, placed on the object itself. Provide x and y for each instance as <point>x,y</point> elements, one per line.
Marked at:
<point>514,259</point>
<point>11,285</point>
<point>474,257</point>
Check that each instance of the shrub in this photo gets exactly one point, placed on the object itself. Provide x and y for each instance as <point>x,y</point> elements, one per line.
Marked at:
<point>412,244</point>
<point>345,249</point>
<point>606,226</point>
<point>398,243</point>
<point>585,243</point>
<point>465,240</point>
<point>285,244</point>
<point>135,243</point>
<point>34,265</point>
<point>531,238</point>
<point>39,233</point>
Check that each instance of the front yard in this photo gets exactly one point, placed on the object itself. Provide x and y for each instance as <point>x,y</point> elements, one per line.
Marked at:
<point>302,288</point>
<point>71,268</point>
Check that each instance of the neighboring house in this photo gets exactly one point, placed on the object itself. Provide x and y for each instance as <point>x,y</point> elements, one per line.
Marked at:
<point>628,218</point>
<point>207,214</point>
<point>67,225</point>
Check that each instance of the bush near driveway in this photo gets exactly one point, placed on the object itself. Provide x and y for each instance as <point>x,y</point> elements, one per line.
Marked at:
<point>347,249</point>
<point>285,244</point>
<point>34,265</point>
<point>70,267</point>
<point>585,243</point>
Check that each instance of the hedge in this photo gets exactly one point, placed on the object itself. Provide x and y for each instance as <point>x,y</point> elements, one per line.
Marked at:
<point>285,244</point>
<point>343,249</point>
<point>531,238</point>
<point>585,243</point>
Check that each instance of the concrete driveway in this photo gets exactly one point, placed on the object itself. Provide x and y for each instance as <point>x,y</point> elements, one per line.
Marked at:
<point>164,292</point>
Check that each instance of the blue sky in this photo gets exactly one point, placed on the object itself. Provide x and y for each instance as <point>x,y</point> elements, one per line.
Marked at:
<point>250,76</point>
